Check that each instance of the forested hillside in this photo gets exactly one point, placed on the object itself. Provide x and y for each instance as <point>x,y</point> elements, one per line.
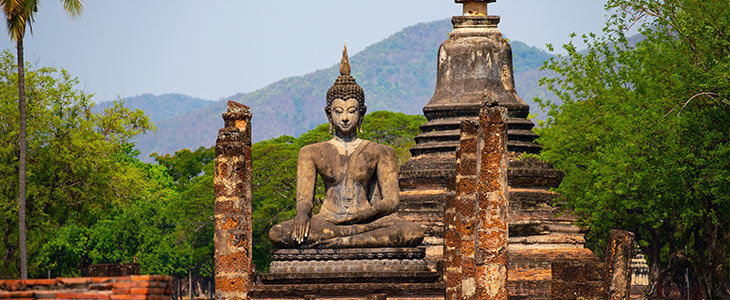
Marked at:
<point>397,74</point>
<point>159,107</point>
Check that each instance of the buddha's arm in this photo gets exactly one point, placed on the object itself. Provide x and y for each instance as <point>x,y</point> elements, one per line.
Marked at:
<point>306,178</point>
<point>388,182</point>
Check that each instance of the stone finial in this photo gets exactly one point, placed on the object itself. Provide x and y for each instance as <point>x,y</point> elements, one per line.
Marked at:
<point>345,62</point>
<point>475,7</point>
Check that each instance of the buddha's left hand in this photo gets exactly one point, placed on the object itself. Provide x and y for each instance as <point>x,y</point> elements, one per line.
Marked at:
<point>359,217</point>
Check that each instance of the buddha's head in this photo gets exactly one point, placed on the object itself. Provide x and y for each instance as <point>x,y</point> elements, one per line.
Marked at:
<point>345,101</point>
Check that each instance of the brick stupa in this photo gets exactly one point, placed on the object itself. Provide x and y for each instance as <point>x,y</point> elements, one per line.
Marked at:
<point>473,63</point>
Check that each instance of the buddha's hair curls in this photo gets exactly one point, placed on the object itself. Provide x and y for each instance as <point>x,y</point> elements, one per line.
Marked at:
<point>345,87</point>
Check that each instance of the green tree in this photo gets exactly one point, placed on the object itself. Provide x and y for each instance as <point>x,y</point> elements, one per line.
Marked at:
<point>143,227</point>
<point>643,135</point>
<point>185,165</point>
<point>18,15</point>
<point>193,209</point>
<point>76,173</point>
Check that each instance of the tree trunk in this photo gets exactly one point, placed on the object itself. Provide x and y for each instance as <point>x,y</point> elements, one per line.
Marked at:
<point>710,269</point>
<point>652,253</point>
<point>22,145</point>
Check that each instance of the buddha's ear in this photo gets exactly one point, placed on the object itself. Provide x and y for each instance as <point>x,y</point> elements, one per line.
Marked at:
<point>329,117</point>
<point>362,117</point>
<point>328,113</point>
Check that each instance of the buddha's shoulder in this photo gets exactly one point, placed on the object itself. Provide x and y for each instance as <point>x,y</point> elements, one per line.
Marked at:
<point>378,148</point>
<point>316,148</point>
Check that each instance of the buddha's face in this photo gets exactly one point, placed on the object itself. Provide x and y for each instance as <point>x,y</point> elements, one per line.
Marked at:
<point>345,115</point>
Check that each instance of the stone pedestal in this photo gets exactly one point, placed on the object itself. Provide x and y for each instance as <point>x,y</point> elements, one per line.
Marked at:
<point>348,260</point>
<point>348,272</point>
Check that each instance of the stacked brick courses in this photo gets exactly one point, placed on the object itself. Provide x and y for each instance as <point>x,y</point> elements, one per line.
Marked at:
<point>476,219</point>
<point>144,287</point>
<point>233,205</point>
<point>459,217</point>
<point>492,194</point>
<point>593,279</point>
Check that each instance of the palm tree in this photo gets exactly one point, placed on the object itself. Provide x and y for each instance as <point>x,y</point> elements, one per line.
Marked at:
<point>18,14</point>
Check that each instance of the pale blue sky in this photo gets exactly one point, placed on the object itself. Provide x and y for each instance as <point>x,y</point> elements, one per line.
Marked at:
<point>216,48</point>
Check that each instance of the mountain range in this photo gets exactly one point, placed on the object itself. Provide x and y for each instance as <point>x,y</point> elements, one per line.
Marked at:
<point>397,74</point>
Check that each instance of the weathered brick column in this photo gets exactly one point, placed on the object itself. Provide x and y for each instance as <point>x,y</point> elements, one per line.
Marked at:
<point>460,217</point>
<point>492,200</point>
<point>233,223</point>
<point>619,252</point>
<point>476,219</point>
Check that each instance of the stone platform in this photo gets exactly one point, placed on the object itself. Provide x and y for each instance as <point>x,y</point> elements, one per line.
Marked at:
<point>348,260</point>
<point>386,290</point>
<point>348,272</point>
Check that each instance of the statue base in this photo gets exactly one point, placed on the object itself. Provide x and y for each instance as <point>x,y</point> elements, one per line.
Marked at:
<point>349,273</point>
<point>348,260</point>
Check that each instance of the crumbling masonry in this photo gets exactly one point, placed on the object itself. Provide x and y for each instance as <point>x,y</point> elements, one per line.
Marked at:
<point>233,196</point>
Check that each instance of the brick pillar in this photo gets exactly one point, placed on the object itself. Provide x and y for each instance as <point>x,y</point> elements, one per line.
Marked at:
<point>233,223</point>
<point>476,219</point>
<point>491,232</point>
<point>619,252</point>
<point>459,219</point>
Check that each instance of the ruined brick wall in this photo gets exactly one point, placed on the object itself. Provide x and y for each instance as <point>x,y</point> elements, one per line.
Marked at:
<point>233,209</point>
<point>593,279</point>
<point>145,287</point>
<point>476,219</point>
<point>573,279</point>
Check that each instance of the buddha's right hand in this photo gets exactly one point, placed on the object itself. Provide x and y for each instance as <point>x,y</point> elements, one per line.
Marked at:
<point>301,229</point>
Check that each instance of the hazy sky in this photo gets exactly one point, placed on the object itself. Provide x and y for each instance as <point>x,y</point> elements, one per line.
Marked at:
<point>216,48</point>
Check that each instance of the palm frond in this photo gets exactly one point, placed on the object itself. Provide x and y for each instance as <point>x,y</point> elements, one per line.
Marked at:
<point>73,7</point>
<point>21,13</point>
<point>18,14</point>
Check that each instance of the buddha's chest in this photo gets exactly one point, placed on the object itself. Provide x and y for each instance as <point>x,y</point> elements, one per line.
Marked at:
<point>338,168</point>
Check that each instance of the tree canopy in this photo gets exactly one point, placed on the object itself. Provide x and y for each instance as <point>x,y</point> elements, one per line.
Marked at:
<point>643,135</point>
<point>75,173</point>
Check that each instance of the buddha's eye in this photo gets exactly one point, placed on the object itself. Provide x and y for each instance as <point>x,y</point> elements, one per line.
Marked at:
<point>352,109</point>
<point>339,110</point>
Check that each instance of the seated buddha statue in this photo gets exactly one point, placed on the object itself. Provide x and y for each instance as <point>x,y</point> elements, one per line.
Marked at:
<point>360,181</point>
